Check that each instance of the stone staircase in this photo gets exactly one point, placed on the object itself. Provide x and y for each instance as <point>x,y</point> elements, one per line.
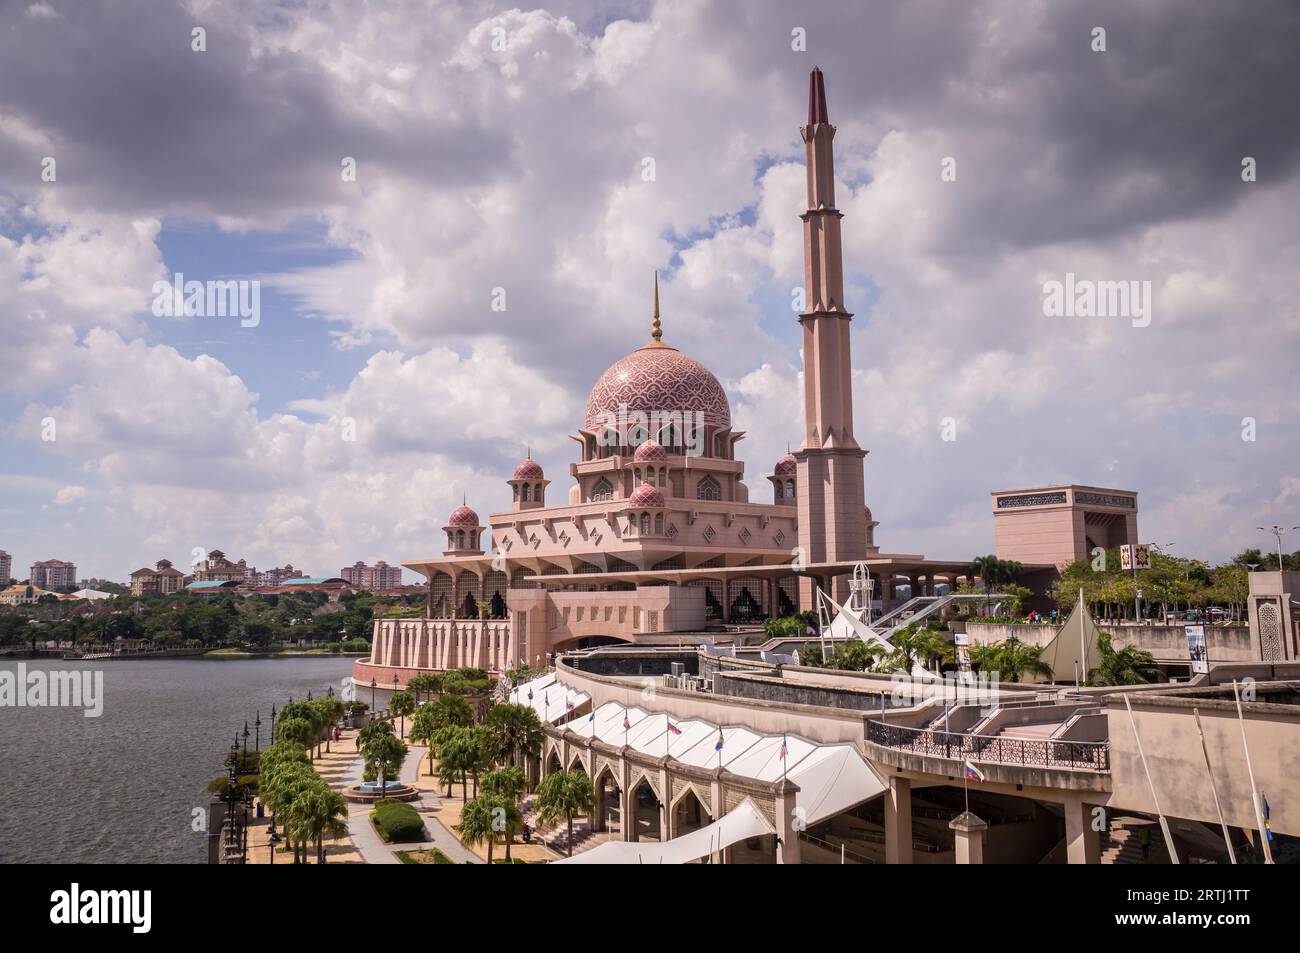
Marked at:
<point>556,837</point>
<point>1120,844</point>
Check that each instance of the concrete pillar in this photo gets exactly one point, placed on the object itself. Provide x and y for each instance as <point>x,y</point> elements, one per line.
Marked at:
<point>968,836</point>
<point>898,821</point>
<point>666,832</point>
<point>787,848</point>
<point>1082,841</point>
<point>715,810</point>
<point>627,823</point>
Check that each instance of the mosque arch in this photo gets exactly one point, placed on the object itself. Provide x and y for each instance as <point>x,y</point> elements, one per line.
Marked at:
<point>603,490</point>
<point>708,488</point>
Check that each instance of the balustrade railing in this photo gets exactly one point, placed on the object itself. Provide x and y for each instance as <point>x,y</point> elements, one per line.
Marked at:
<point>998,749</point>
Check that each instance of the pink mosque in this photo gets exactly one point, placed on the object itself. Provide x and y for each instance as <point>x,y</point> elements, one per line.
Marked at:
<point>658,536</point>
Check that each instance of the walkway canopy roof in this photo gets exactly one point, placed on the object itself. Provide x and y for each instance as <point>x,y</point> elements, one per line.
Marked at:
<point>744,821</point>
<point>551,700</point>
<point>831,777</point>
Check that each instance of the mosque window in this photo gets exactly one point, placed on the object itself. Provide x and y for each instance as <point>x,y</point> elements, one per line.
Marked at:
<point>516,489</point>
<point>670,438</point>
<point>460,539</point>
<point>645,524</point>
<point>603,490</point>
<point>527,493</point>
<point>719,446</point>
<point>659,524</point>
<point>778,489</point>
<point>537,493</point>
<point>789,489</point>
<point>708,489</point>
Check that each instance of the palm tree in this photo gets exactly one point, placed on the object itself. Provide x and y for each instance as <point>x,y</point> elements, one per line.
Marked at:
<point>509,784</point>
<point>986,567</point>
<point>565,795</point>
<point>452,710</point>
<point>424,728</point>
<point>1016,659</point>
<point>457,756</point>
<point>401,704</point>
<point>425,683</point>
<point>299,731</point>
<point>384,755</point>
<point>282,791</point>
<point>483,818</point>
<point>1010,660</point>
<point>1126,666</point>
<point>515,733</point>
<point>319,813</point>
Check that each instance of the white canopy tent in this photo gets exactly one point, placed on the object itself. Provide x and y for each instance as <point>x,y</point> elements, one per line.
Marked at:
<point>552,700</point>
<point>831,777</point>
<point>743,822</point>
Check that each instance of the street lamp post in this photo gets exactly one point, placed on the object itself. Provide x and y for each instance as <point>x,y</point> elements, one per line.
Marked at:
<point>373,683</point>
<point>273,838</point>
<point>1278,532</point>
<point>257,734</point>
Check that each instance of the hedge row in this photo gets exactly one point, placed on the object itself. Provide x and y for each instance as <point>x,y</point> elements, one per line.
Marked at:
<point>397,821</point>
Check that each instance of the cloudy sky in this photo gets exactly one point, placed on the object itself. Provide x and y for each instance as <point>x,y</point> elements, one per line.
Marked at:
<point>504,148</point>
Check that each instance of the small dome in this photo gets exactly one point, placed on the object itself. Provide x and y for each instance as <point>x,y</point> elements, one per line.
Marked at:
<point>462,516</point>
<point>529,470</point>
<point>646,495</point>
<point>786,466</point>
<point>650,452</point>
<point>867,510</point>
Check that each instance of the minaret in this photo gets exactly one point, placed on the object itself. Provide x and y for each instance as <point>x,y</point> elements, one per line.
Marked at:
<point>830,502</point>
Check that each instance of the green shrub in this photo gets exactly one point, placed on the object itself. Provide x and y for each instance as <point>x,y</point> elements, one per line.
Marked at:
<point>430,856</point>
<point>397,821</point>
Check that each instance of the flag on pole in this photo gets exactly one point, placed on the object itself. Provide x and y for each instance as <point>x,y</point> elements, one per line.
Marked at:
<point>717,745</point>
<point>592,716</point>
<point>530,693</point>
<point>972,772</point>
<point>626,724</point>
<point>673,729</point>
<point>1268,828</point>
<point>568,705</point>
<point>785,747</point>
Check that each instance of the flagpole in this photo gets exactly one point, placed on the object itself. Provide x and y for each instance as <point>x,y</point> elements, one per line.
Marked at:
<point>1164,824</point>
<point>1250,771</point>
<point>1227,840</point>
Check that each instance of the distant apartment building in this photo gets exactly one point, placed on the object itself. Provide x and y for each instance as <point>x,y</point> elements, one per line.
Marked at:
<point>217,568</point>
<point>6,564</point>
<point>379,576</point>
<point>53,574</point>
<point>161,580</point>
<point>276,577</point>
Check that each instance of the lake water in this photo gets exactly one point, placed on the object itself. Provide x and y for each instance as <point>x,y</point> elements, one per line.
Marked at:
<point>122,788</point>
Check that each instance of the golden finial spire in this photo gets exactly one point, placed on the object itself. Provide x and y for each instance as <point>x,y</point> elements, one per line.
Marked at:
<point>656,329</point>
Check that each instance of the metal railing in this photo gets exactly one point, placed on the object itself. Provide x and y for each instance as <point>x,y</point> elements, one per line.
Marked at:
<point>997,749</point>
<point>842,849</point>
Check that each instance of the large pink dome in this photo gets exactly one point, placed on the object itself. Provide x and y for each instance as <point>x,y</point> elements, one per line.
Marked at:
<point>658,378</point>
<point>786,466</point>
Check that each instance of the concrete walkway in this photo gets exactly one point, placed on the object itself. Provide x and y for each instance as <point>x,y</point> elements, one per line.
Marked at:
<point>429,803</point>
